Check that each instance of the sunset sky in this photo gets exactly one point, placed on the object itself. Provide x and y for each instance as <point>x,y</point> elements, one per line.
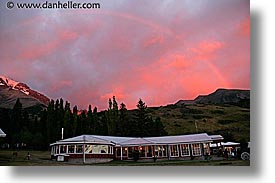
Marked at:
<point>160,51</point>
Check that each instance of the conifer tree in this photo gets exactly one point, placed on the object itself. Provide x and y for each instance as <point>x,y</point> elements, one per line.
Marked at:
<point>96,129</point>
<point>90,120</point>
<point>75,120</point>
<point>112,117</point>
<point>123,125</point>
<point>50,124</point>
<point>142,119</point>
<point>16,121</point>
<point>67,121</point>
<point>115,116</point>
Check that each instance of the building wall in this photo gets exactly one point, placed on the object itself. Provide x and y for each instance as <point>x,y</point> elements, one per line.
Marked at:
<point>146,152</point>
<point>171,151</point>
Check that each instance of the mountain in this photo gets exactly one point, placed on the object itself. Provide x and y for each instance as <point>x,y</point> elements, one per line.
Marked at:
<point>11,90</point>
<point>221,96</point>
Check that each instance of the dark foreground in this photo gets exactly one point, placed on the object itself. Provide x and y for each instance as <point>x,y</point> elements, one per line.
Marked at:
<point>42,158</point>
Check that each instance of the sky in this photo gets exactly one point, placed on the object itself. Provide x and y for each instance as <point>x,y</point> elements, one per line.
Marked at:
<point>158,50</point>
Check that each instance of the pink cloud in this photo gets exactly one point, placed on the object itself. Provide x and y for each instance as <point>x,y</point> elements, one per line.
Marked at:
<point>244,28</point>
<point>155,39</point>
<point>129,50</point>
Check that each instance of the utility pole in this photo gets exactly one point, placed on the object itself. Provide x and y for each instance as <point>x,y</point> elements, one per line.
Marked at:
<point>62,133</point>
<point>84,138</point>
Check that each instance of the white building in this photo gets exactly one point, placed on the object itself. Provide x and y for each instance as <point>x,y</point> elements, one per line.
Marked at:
<point>96,148</point>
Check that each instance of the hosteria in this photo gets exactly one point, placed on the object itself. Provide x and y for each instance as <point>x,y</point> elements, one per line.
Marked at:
<point>96,148</point>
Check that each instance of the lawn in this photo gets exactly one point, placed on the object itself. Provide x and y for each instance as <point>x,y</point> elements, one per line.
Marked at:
<point>42,158</point>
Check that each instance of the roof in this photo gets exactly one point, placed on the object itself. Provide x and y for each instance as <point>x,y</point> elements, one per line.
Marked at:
<point>181,139</point>
<point>131,141</point>
<point>137,141</point>
<point>230,143</point>
<point>2,134</point>
<point>216,137</point>
<point>226,144</point>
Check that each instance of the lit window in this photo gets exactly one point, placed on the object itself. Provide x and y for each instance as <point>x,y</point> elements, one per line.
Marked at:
<point>174,150</point>
<point>160,151</point>
<point>124,151</point>
<point>196,149</point>
<point>206,149</point>
<point>185,150</point>
<point>164,151</point>
<point>88,149</point>
<point>100,149</point>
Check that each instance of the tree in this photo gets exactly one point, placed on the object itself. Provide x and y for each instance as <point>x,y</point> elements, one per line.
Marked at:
<point>123,125</point>
<point>50,124</point>
<point>159,128</point>
<point>96,129</point>
<point>142,119</point>
<point>145,125</point>
<point>112,117</point>
<point>115,116</point>
<point>90,120</point>
<point>16,121</point>
<point>26,136</point>
<point>75,120</point>
<point>44,129</point>
<point>67,121</point>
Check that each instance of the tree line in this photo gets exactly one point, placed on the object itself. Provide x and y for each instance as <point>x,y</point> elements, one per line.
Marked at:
<point>37,132</point>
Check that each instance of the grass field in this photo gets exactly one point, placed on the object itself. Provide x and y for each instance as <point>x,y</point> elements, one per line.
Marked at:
<point>42,158</point>
<point>231,121</point>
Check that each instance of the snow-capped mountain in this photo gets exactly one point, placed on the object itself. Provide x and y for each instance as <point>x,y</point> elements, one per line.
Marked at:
<point>10,90</point>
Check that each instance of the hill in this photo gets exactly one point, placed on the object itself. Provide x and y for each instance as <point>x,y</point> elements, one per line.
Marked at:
<point>231,121</point>
<point>222,96</point>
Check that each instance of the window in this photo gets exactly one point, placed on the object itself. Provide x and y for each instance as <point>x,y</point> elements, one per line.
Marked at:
<point>124,151</point>
<point>118,152</point>
<point>196,149</point>
<point>71,149</point>
<point>142,151</point>
<point>130,152</point>
<point>63,149</point>
<point>206,149</point>
<point>98,149</point>
<point>174,150</point>
<point>185,150</point>
<point>110,150</point>
<point>79,149</point>
<point>88,149</point>
<point>52,150</point>
<point>160,151</point>
<point>148,150</point>
<point>56,149</point>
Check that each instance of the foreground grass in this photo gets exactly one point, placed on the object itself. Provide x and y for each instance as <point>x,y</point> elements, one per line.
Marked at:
<point>42,158</point>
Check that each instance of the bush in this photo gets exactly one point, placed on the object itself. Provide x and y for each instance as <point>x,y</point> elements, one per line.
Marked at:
<point>201,116</point>
<point>217,112</point>
<point>226,121</point>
